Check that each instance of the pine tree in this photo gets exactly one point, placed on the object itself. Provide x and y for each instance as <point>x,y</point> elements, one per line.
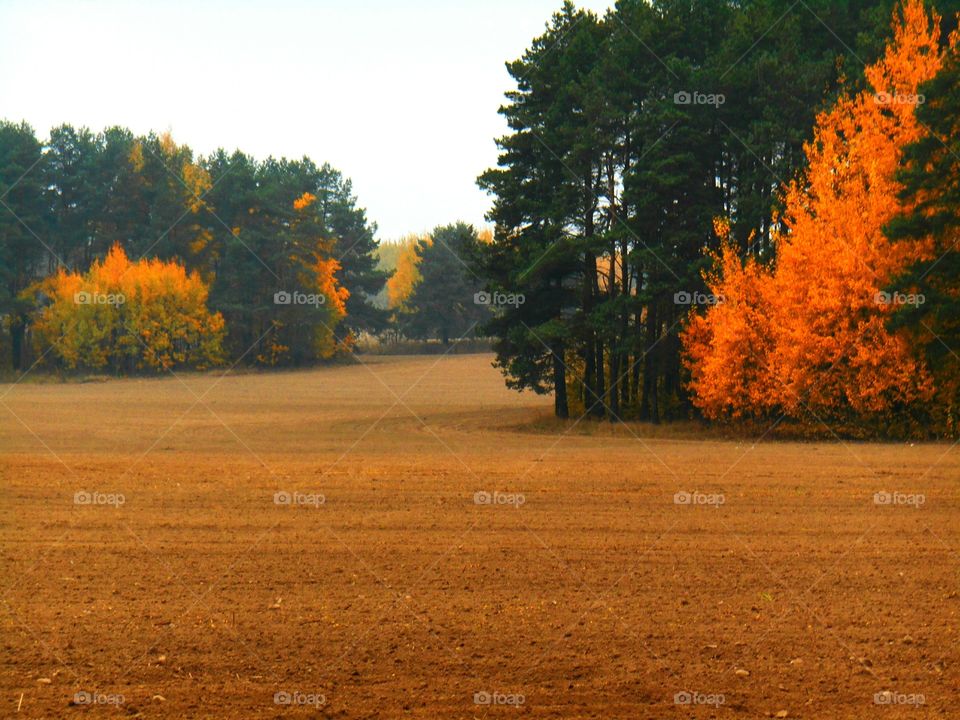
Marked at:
<point>26,249</point>
<point>444,303</point>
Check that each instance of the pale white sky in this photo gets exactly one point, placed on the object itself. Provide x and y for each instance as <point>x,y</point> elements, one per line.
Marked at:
<point>401,96</point>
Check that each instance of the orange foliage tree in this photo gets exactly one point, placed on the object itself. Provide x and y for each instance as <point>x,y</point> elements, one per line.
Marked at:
<point>808,336</point>
<point>323,274</point>
<point>727,349</point>
<point>407,274</point>
<point>127,316</point>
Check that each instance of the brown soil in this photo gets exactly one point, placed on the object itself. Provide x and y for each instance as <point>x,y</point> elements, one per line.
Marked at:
<point>400,596</point>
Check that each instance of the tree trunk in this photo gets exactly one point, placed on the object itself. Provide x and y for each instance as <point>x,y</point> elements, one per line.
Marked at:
<point>637,344</point>
<point>560,408</point>
<point>613,403</point>
<point>648,403</point>
<point>596,401</point>
<point>590,359</point>
<point>18,328</point>
<point>593,367</point>
<point>614,385</point>
<point>624,364</point>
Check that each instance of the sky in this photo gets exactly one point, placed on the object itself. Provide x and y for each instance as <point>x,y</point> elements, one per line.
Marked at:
<point>401,96</point>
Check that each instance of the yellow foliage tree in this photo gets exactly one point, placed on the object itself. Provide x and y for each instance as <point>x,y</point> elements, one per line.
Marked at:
<point>407,274</point>
<point>127,316</point>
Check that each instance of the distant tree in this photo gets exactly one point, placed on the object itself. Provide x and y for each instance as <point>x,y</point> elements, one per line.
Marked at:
<point>312,303</point>
<point>26,248</point>
<point>356,249</point>
<point>243,281</point>
<point>170,192</point>
<point>70,173</point>
<point>406,274</point>
<point>262,241</point>
<point>122,209</point>
<point>445,304</point>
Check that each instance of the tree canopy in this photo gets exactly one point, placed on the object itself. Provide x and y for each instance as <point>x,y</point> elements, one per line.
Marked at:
<point>252,231</point>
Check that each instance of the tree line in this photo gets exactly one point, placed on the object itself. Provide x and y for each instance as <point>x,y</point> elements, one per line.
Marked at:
<point>286,258</point>
<point>654,147</point>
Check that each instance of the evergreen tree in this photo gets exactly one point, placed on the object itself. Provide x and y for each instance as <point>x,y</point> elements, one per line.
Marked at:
<point>26,248</point>
<point>546,208</point>
<point>446,302</point>
<point>356,249</point>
